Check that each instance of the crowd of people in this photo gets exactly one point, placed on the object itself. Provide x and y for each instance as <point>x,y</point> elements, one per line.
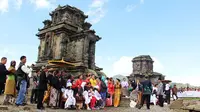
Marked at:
<point>59,89</point>
<point>152,93</point>
<point>182,89</point>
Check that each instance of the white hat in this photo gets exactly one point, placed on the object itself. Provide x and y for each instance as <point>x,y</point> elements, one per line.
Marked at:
<point>69,84</point>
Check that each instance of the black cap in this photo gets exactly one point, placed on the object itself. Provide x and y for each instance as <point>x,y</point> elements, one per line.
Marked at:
<point>118,79</point>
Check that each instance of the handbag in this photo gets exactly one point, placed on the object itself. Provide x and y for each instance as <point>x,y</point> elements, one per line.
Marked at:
<point>108,102</point>
<point>133,104</point>
<point>130,89</point>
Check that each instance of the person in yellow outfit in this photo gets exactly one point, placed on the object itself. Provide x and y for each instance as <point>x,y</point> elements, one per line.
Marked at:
<point>49,85</point>
<point>117,94</point>
<point>93,81</point>
<point>10,90</point>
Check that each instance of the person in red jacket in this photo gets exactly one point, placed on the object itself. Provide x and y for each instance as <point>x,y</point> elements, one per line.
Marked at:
<point>111,89</point>
<point>79,81</point>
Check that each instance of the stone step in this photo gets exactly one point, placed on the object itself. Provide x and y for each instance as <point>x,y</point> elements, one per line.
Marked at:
<point>125,102</point>
<point>3,108</point>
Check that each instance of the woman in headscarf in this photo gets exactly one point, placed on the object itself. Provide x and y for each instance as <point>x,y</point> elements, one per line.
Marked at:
<point>117,94</point>
<point>10,87</point>
<point>103,90</point>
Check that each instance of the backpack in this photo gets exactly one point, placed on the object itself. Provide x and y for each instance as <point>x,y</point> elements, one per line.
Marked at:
<point>147,89</point>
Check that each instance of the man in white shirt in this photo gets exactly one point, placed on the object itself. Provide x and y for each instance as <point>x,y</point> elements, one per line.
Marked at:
<point>22,78</point>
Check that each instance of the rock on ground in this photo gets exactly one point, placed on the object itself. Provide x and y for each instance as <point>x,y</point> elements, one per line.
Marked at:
<point>124,108</point>
<point>107,109</point>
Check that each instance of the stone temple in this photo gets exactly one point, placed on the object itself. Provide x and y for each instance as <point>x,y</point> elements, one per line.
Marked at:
<point>143,66</point>
<point>67,37</point>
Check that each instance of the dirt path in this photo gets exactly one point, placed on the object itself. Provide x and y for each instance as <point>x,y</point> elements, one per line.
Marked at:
<point>32,108</point>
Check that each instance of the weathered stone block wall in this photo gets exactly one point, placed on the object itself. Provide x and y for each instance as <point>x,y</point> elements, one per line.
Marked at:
<point>42,47</point>
<point>92,56</point>
<point>75,49</point>
<point>141,67</point>
<point>57,47</point>
<point>85,51</point>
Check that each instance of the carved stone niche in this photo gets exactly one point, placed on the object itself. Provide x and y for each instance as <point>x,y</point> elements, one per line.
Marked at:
<point>47,23</point>
<point>144,67</point>
<point>66,17</point>
<point>56,17</point>
<point>76,19</point>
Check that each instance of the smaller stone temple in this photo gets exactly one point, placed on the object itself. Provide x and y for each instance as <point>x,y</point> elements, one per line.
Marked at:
<point>143,66</point>
<point>68,38</point>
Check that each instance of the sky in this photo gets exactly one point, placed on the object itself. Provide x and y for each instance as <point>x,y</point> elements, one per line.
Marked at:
<point>167,30</point>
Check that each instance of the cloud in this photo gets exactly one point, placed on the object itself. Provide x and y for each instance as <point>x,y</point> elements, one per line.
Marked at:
<point>3,6</point>
<point>157,65</point>
<point>18,4</point>
<point>190,79</point>
<point>97,3</point>
<point>13,53</point>
<point>97,11</point>
<point>141,1</point>
<point>43,3</point>
<point>131,7</point>
<point>123,66</point>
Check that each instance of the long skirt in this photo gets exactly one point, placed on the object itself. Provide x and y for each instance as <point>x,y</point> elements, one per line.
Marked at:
<point>10,91</point>
<point>47,94</point>
<point>117,100</point>
<point>10,87</point>
<point>54,97</point>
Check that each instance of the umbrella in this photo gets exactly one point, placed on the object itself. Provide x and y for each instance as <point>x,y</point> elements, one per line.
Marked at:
<point>166,81</point>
